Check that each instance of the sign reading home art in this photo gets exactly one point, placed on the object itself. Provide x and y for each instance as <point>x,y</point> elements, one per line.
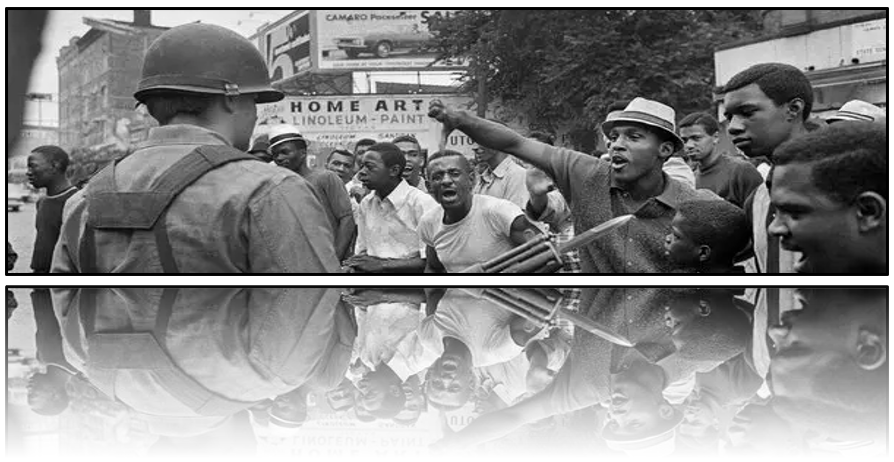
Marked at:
<point>330,122</point>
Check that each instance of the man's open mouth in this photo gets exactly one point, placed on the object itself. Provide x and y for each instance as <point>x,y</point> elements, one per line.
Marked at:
<point>619,162</point>
<point>449,195</point>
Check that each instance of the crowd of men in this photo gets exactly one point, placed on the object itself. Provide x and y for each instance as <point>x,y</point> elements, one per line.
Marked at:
<point>797,195</point>
<point>205,195</point>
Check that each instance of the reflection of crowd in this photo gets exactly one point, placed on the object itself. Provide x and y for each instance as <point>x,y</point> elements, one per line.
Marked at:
<point>691,383</point>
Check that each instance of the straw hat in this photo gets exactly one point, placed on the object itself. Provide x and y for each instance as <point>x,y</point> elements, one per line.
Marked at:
<point>859,111</point>
<point>647,112</point>
<point>284,132</point>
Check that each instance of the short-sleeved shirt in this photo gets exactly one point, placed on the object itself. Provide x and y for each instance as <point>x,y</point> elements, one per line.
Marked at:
<point>507,181</point>
<point>330,191</point>
<point>636,247</point>
<point>480,236</point>
<point>730,178</point>
<point>389,227</point>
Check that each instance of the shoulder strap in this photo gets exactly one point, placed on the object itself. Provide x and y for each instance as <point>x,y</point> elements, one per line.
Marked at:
<point>108,208</point>
<point>112,209</point>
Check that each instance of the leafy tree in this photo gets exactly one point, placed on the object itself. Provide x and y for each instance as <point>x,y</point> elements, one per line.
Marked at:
<point>558,69</point>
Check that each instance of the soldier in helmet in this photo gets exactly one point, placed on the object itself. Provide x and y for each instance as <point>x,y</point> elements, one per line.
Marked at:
<point>190,199</point>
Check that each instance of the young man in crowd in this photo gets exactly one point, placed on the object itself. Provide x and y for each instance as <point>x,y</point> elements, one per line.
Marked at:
<point>642,138</point>
<point>414,173</point>
<point>240,216</point>
<point>501,177</point>
<point>341,163</point>
<point>468,228</point>
<point>766,105</point>
<point>830,193</point>
<point>730,177</point>
<point>46,169</point>
<point>388,219</point>
<point>706,236</point>
<point>289,150</point>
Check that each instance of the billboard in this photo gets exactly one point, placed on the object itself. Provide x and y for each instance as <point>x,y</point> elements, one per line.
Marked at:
<point>287,46</point>
<point>331,122</point>
<point>374,39</point>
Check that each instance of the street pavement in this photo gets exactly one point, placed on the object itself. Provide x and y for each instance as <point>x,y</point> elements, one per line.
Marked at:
<point>20,233</point>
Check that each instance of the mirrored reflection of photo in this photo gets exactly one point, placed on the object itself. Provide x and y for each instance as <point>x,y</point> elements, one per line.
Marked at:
<point>406,372</point>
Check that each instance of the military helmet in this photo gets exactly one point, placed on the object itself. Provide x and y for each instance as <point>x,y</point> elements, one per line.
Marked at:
<point>207,59</point>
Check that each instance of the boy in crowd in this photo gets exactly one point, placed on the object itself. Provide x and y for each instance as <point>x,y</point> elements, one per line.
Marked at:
<point>830,192</point>
<point>468,228</point>
<point>414,172</point>
<point>706,236</point>
<point>389,219</point>
<point>732,178</point>
<point>46,169</point>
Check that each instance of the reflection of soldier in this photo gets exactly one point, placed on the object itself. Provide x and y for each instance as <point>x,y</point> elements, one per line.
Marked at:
<point>189,360</point>
<point>190,199</point>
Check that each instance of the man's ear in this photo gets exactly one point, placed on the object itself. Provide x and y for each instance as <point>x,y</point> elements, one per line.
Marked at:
<point>795,109</point>
<point>665,150</point>
<point>871,350</point>
<point>872,211</point>
<point>395,390</point>
<point>704,253</point>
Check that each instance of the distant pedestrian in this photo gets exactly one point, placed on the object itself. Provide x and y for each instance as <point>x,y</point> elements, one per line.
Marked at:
<point>46,169</point>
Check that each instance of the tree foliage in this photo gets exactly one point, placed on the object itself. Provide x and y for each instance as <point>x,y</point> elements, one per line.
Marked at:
<point>560,68</point>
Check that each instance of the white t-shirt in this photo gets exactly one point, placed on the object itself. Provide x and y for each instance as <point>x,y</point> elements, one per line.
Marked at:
<point>483,234</point>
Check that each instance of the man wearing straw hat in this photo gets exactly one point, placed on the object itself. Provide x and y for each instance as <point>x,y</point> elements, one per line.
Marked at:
<point>642,137</point>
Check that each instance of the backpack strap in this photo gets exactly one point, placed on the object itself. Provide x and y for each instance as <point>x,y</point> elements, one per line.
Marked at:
<point>110,209</point>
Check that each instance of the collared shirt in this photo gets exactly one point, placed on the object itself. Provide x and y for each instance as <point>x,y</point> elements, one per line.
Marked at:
<point>636,247</point>
<point>388,228</point>
<point>243,217</point>
<point>507,181</point>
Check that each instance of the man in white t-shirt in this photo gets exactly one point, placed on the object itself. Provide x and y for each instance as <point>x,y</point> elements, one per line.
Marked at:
<point>468,228</point>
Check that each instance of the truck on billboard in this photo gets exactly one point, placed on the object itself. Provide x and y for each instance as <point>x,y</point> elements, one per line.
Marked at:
<point>331,122</point>
<point>369,39</point>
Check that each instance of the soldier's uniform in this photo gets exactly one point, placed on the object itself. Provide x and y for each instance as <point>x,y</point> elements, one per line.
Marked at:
<point>187,201</point>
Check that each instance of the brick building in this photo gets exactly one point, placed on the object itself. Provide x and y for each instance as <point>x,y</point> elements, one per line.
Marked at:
<point>98,73</point>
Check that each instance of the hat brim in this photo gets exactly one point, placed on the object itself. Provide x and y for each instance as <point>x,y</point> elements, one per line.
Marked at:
<point>622,119</point>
